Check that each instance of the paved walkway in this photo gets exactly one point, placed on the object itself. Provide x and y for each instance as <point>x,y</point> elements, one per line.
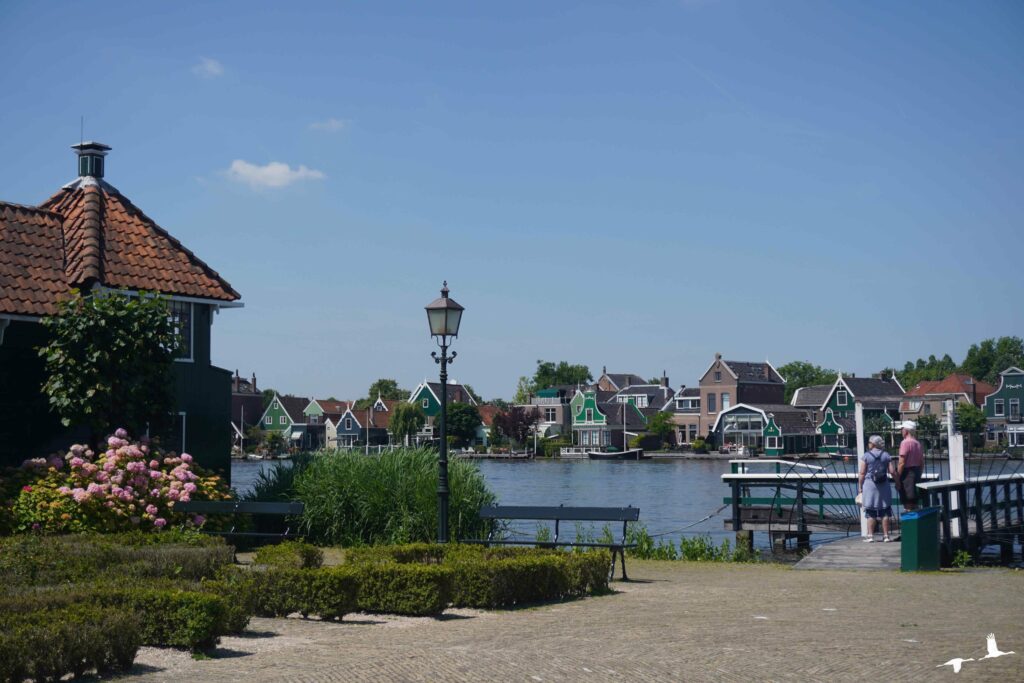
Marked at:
<point>854,553</point>
<point>682,621</point>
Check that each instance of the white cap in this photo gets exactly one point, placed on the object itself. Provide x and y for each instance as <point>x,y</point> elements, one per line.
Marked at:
<point>909,424</point>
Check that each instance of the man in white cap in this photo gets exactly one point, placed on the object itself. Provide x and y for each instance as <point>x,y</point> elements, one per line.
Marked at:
<point>908,471</point>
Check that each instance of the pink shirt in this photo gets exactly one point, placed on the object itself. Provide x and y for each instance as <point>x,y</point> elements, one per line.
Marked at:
<point>911,452</point>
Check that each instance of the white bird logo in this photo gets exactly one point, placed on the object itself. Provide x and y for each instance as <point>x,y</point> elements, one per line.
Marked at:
<point>956,664</point>
<point>993,649</point>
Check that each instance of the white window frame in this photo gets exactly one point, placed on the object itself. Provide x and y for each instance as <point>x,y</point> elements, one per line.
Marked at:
<point>771,442</point>
<point>282,420</point>
<point>348,423</point>
<point>998,407</point>
<point>268,420</point>
<point>827,438</point>
<point>550,415</point>
<point>426,403</point>
<point>842,397</point>
<point>726,400</point>
<point>1014,403</point>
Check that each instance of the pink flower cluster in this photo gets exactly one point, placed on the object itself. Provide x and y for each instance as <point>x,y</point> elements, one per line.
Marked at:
<point>131,481</point>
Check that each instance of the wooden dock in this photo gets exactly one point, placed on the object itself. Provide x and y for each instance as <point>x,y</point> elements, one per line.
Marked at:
<point>854,554</point>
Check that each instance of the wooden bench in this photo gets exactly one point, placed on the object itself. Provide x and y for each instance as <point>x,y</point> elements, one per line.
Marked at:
<point>558,515</point>
<point>243,507</point>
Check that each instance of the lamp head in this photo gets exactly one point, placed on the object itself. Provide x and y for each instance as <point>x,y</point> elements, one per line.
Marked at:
<point>444,315</point>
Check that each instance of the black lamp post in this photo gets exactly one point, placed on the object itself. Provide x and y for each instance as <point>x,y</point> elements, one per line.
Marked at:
<point>444,316</point>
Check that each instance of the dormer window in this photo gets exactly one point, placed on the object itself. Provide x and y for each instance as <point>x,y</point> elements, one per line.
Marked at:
<point>841,397</point>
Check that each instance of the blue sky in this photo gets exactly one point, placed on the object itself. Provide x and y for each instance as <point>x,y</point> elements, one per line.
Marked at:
<point>637,185</point>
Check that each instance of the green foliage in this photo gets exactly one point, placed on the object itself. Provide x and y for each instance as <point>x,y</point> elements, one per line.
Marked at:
<point>962,559</point>
<point>921,370</point>
<point>970,418</point>
<point>387,389</point>
<point>47,560</point>
<point>109,362</point>
<point>661,425</point>
<point>290,555</point>
<point>928,430</point>
<point>472,392</point>
<point>406,420</point>
<point>274,442</point>
<point>391,498</point>
<point>986,360</point>
<point>699,445</point>
<point>411,589</point>
<point>800,374</point>
<point>462,422</point>
<point>553,447</point>
<point>550,374</point>
<point>524,388</point>
<point>877,424</point>
<point>327,592</point>
<point>699,548</point>
<point>46,645</point>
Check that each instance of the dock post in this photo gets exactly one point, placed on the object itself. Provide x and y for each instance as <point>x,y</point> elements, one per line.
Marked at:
<point>858,415</point>
<point>745,540</point>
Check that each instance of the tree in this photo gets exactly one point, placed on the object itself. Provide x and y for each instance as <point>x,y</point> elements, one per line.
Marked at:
<point>549,374</point>
<point>877,424</point>
<point>108,362</point>
<point>661,425</point>
<point>274,443</point>
<point>268,396</point>
<point>500,403</point>
<point>406,420</point>
<point>384,388</point>
<point>926,370</point>
<point>970,418</point>
<point>928,430</point>
<point>463,421</point>
<point>986,360</point>
<point>524,388</point>
<point>801,374</point>
<point>471,392</point>
<point>515,423</point>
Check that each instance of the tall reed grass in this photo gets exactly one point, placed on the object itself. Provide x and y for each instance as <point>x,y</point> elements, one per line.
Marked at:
<point>354,499</point>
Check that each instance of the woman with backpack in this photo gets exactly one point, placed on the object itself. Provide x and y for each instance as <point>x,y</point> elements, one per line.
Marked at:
<point>876,466</point>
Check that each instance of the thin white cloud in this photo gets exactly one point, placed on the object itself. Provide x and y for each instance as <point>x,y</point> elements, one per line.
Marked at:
<point>330,125</point>
<point>273,175</point>
<point>208,68</point>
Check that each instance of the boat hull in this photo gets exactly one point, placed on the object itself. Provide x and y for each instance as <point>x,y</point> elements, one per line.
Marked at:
<point>634,454</point>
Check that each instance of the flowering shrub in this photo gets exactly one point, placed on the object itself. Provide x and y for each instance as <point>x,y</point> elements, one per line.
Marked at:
<point>131,485</point>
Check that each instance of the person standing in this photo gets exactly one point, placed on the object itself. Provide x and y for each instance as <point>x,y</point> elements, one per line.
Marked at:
<point>876,467</point>
<point>911,464</point>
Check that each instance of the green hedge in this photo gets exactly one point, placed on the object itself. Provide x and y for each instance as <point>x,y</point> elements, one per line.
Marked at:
<point>328,592</point>
<point>501,576</point>
<point>47,645</point>
<point>290,555</point>
<point>47,560</point>
<point>410,589</point>
<point>166,616</point>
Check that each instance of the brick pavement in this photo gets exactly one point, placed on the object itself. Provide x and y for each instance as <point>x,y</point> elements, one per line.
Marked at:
<point>681,621</point>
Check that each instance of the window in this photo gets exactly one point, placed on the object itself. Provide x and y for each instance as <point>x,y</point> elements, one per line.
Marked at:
<point>711,403</point>
<point>314,419</point>
<point>927,408</point>
<point>718,376</point>
<point>944,408</point>
<point>426,403</point>
<point>579,409</point>
<point>348,423</point>
<point>1015,409</point>
<point>725,401</point>
<point>274,405</point>
<point>831,440</point>
<point>282,420</point>
<point>999,411</point>
<point>842,440</point>
<point>268,420</point>
<point>841,397</point>
<point>550,414</point>
<point>590,414</point>
<point>180,313</point>
<point>771,442</point>
<point>693,432</point>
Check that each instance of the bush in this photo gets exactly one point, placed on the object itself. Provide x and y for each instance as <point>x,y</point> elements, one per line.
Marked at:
<point>410,589</point>
<point>49,644</point>
<point>131,485</point>
<point>166,615</point>
<point>290,555</point>
<point>328,592</point>
<point>353,500</point>
<point>41,560</point>
<point>698,548</point>
<point>553,447</point>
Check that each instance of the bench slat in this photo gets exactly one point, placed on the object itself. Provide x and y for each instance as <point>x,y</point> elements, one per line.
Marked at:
<point>484,541</point>
<point>574,514</point>
<point>241,507</point>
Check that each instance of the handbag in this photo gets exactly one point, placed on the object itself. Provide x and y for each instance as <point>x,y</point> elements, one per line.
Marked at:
<point>859,500</point>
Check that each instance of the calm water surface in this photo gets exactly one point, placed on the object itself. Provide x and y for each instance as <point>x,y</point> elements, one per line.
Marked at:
<point>671,494</point>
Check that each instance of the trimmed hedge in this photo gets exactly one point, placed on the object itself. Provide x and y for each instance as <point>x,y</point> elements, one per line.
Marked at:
<point>290,555</point>
<point>410,589</point>
<point>47,645</point>
<point>501,576</point>
<point>166,616</point>
<point>47,560</point>
<point>329,592</point>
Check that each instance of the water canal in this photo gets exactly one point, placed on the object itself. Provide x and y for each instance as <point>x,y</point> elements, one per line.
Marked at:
<point>671,494</point>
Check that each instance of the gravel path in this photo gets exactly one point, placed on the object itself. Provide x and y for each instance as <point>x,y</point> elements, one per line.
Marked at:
<point>680,621</point>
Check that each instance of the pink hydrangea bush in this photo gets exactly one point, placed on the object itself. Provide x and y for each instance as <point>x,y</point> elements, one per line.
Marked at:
<point>130,485</point>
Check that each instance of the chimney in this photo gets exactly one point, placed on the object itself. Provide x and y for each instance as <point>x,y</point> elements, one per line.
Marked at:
<point>90,158</point>
<point>664,379</point>
<point>254,390</point>
<point>604,369</point>
<point>766,373</point>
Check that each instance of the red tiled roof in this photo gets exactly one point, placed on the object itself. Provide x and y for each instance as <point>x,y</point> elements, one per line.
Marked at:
<point>333,407</point>
<point>89,233</point>
<point>487,413</point>
<point>956,383</point>
<point>32,276</point>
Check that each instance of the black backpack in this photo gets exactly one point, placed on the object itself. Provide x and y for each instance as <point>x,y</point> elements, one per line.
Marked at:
<point>879,475</point>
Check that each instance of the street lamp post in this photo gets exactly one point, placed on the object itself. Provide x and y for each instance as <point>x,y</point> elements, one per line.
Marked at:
<point>444,316</point>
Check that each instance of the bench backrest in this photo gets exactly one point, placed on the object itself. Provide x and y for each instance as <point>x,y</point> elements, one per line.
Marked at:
<point>575,514</point>
<point>228,507</point>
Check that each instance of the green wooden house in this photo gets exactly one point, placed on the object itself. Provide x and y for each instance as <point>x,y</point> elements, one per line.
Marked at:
<point>1002,410</point>
<point>88,236</point>
<point>427,395</point>
<point>284,414</point>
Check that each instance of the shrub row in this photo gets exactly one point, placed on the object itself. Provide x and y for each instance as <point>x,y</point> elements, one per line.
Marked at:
<point>47,645</point>
<point>165,615</point>
<point>290,555</point>
<point>45,560</point>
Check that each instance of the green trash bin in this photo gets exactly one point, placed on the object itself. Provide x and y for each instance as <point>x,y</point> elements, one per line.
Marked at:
<point>919,532</point>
